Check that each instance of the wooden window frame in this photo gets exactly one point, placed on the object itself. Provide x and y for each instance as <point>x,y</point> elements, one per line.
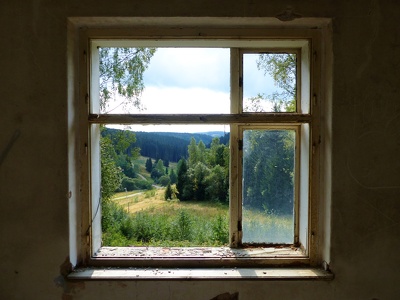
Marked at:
<point>308,113</point>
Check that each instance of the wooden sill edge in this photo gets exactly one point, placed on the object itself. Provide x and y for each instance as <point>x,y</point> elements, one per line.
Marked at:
<point>200,274</point>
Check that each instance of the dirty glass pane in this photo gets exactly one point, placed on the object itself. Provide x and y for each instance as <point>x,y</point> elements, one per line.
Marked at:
<point>164,80</point>
<point>165,186</point>
<point>268,186</point>
<point>269,82</point>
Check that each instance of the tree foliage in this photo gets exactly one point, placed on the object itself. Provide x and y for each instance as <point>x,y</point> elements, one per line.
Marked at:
<point>205,175</point>
<point>268,170</point>
<point>149,165</point>
<point>111,174</point>
<point>121,74</point>
<point>282,68</point>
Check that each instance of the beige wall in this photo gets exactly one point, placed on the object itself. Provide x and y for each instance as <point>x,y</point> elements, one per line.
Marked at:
<point>34,235</point>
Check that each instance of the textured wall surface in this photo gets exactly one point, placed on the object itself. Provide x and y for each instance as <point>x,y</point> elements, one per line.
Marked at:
<point>365,235</point>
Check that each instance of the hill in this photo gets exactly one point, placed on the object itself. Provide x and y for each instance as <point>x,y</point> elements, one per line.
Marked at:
<point>170,146</point>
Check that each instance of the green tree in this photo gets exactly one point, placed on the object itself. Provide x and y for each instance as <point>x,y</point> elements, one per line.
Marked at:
<point>149,165</point>
<point>164,180</point>
<point>168,193</point>
<point>282,68</point>
<point>122,141</point>
<point>183,183</point>
<point>198,176</point>
<point>173,177</point>
<point>166,163</point>
<point>268,170</point>
<point>193,152</point>
<point>217,185</point>
<point>213,152</point>
<point>111,175</point>
<point>121,74</point>
<point>201,150</point>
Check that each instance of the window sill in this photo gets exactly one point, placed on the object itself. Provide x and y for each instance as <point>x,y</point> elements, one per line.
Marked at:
<point>198,257</point>
<point>200,274</point>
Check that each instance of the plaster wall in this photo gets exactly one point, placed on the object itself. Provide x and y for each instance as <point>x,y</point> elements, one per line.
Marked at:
<point>34,179</point>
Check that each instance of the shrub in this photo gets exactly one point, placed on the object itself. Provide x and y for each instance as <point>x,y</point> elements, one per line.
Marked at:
<point>182,229</point>
<point>143,228</point>
<point>220,229</point>
<point>131,184</point>
<point>164,180</point>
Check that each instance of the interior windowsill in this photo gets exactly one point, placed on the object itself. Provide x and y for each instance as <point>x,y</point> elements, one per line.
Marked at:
<point>200,274</point>
<point>198,252</point>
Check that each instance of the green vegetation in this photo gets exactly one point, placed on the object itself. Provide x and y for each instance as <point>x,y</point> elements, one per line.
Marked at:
<point>121,73</point>
<point>147,220</point>
<point>205,174</point>
<point>263,227</point>
<point>201,177</point>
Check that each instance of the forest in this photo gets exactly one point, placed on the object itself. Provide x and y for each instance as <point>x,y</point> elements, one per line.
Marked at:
<point>202,170</point>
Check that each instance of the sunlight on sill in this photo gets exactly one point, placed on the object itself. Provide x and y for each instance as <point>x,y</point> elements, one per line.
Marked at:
<point>200,274</point>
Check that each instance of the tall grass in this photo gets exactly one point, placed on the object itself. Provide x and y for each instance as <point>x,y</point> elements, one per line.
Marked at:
<point>173,224</point>
<point>263,227</point>
<point>155,222</point>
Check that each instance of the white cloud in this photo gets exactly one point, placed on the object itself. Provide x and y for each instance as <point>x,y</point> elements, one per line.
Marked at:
<point>172,100</point>
<point>189,68</point>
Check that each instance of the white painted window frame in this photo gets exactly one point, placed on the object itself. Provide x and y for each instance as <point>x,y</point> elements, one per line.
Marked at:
<point>308,120</point>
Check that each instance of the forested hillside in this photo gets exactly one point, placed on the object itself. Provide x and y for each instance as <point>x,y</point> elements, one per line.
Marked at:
<point>167,146</point>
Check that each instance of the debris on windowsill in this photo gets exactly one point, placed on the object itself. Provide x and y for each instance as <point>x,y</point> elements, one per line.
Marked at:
<point>200,252</point>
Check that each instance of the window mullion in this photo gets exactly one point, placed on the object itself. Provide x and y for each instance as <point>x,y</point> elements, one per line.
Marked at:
<point>235,175</point>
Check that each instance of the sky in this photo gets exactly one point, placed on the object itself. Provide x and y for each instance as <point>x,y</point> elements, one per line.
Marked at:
<point>194,81</point>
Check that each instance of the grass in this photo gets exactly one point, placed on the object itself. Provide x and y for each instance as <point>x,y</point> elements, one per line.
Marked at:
<point>261,227</point>
<point>149,220</point>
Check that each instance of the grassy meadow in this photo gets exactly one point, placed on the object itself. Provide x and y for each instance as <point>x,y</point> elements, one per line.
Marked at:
<point>146,219</point>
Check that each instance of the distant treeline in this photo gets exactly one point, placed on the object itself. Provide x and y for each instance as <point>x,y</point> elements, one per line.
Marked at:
<point>167,146</point>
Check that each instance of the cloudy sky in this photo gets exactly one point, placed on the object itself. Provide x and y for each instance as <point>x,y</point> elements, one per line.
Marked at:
<point>195,80</point>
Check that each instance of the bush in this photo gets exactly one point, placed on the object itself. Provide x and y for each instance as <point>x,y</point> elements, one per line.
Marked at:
<point>182,227</point>
<point>164,180</point>
<point>131,184</point>
<point>220,230</point>
<point>143,228</point>
<point>173,227</point>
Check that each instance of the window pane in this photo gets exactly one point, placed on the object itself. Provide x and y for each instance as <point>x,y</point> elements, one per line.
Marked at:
<point>164,186</point>
<point>164,80</point>
<point>269,82</point>
<point>268,186</point>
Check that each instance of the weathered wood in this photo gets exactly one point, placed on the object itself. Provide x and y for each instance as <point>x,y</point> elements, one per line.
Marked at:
<point>200,274</point>
<point>247,118</point>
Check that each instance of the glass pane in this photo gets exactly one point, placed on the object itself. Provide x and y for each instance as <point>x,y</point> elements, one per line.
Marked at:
<point>268,186</point>
<point>269,82</point>
<point>164,80</point>
<point>165,186</point>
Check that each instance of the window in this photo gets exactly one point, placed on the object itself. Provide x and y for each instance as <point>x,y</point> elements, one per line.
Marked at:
<point>274,157</point>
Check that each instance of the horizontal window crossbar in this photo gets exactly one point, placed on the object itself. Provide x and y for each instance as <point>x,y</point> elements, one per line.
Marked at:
<point>246,118</point>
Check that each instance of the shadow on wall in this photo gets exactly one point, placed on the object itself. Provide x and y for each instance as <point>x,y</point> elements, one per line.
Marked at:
<point>227,296</point>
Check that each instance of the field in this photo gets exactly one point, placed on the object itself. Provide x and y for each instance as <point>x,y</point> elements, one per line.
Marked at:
<point>143,217</point>
<point>152,221</point>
